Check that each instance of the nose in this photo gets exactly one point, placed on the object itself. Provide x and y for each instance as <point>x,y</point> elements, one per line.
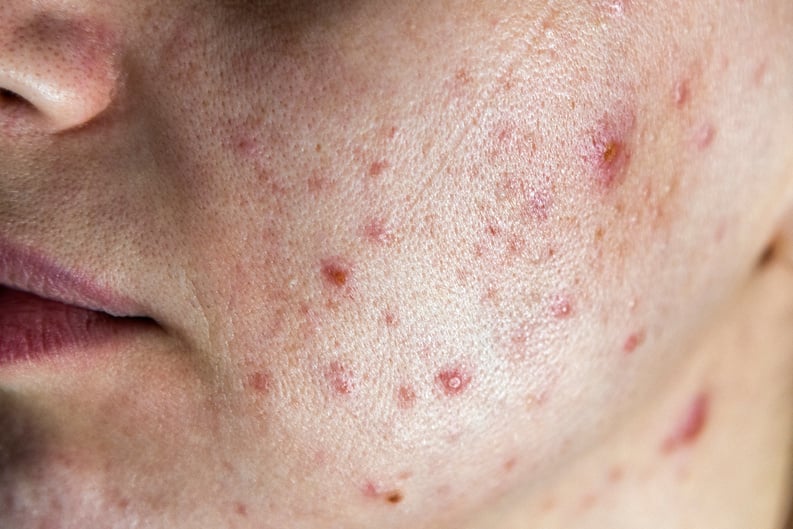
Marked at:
<point>60,68</point>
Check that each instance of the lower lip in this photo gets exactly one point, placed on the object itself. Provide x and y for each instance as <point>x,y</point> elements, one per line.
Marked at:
<point>34,328</point>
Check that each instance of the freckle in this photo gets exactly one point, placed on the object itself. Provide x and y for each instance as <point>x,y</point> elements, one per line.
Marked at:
<point>241,509</point>
<point>509,464</point>
<point>123,503</point>
<point>561,307</point>
<point>703,136</point>
<point>377,168</point>
<point>335,272</point>
<point>633,341</point>
<point>691,425</point>
<point>453,381</point>
<point>462,77</point>
<point>339,378</point>
<point>406,397</point>
<point>259,381</point>
<point>318,147</point>
<point>405,475</point>
<point>394,497</point>
<point>599,234</point>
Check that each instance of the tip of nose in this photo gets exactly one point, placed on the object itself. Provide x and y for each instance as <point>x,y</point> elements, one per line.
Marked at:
<point>62,69</point>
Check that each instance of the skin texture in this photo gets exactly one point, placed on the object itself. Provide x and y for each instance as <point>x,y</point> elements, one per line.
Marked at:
<point>411,264</point>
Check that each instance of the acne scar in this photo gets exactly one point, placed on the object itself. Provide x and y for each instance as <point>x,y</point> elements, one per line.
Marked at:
<point>607,151</point>
<point>406,397</point>
<point>335,272</point>
<point>453,381</point>
<point>690,426</point>
<point>339,378</point>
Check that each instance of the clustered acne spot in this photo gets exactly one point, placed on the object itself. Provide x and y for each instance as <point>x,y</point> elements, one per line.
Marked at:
<point>340,378</point>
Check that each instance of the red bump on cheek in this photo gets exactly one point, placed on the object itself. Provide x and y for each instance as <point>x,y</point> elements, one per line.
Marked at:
<point>339,378</point>
<point>453,381</point>
<point>336,272</point>
<point>691,425</point>
<point>377,168</point>
<point>607,149</point>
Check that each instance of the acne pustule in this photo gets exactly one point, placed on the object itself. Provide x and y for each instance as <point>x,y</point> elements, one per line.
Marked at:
<point>336,271</point>
<point>453,380</point>
<point>607,148</point>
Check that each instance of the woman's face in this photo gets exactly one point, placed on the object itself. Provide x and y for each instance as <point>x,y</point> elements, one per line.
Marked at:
<point>398,257</point>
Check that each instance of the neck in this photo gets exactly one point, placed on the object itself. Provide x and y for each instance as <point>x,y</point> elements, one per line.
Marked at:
<point>713,451</point>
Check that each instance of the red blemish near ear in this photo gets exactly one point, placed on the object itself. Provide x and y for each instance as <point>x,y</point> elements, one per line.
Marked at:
<point>340,379</point>
<point>259,381</point>
<point>453,381</point>
<point>691,426</point>
<point>406,397</point>
<point>607,150</point>
<point>336,272</point>
<point>633,341</point>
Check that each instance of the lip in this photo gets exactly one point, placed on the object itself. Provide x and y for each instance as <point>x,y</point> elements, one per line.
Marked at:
<point>47,310</point>
<point>25,269</point>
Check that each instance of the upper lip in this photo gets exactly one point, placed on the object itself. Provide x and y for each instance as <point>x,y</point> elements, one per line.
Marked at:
<point>24,268</point>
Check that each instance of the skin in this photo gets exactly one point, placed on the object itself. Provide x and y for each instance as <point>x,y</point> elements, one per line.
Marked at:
<point>471,264</point>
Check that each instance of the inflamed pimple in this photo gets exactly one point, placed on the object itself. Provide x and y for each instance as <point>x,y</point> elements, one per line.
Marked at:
<point>633,341</point>
<point>335,271</point>
<point>453,381</point>
<point>606,150</point>
<point>406,397</point>
<point>691,424</point>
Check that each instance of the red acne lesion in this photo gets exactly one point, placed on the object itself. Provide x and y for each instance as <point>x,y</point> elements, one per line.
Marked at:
<point>259,382</point>
<point>633,341</point>
<point>691,426</point>
<point>336,272</point>
<point>377,232</point>
<point>371,491</point>
<point>340,378</point>
<point>406,397</point>
<point>607,152</point>
<point>376,168</point>
<point>453,381</point>
<point>561,307</point>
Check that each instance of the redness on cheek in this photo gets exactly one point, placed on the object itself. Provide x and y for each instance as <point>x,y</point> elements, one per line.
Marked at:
<point>606,151</point>
<point>339,378</point>
<point>453,381</point>
<point>335,271</point>
<point>690,426</point>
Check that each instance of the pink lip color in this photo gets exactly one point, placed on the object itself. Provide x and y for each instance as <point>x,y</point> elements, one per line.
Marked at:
<point>46,310</point>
